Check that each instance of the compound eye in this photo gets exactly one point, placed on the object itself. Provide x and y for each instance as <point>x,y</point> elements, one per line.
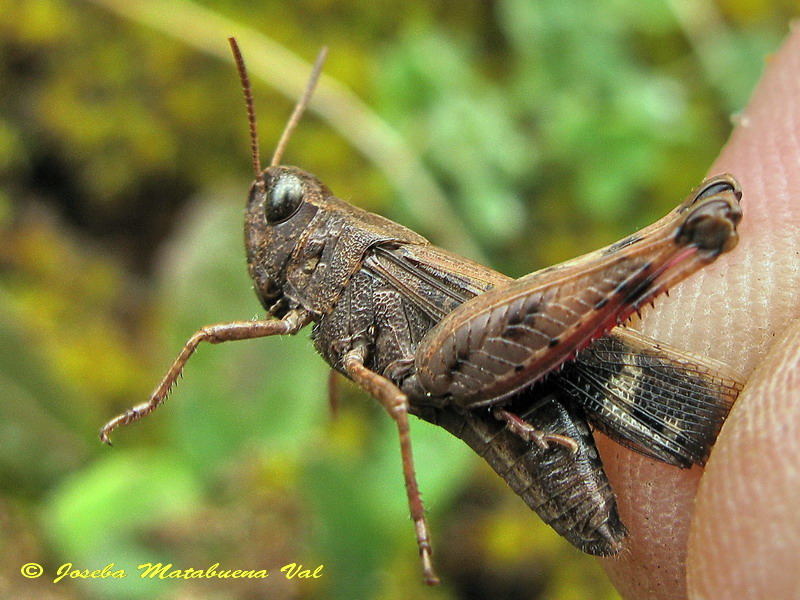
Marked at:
<point>284,199</point>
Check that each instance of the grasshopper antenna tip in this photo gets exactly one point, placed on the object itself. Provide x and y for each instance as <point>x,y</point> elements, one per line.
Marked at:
<point>248,99</point>
<point>300,107</point>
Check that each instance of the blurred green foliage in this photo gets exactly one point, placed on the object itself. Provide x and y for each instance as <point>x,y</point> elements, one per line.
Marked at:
<point>552,128</point>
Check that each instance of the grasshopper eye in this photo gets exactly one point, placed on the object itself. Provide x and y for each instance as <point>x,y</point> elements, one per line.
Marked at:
<point>284,199</point>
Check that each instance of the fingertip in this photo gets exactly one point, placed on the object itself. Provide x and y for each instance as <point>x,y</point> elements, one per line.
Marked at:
<point>745,538</point>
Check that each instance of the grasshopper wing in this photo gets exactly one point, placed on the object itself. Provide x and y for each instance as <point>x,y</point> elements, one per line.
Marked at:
<point>646,395</point>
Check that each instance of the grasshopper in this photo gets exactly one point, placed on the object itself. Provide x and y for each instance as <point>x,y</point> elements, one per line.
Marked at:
<point>519,369</point>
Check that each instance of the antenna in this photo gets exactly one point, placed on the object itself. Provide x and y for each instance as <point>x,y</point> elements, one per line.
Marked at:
<point>248,99</point>
<point>299,108</point>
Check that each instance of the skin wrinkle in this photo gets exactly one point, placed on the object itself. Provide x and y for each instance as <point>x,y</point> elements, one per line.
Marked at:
<point>745,540</point>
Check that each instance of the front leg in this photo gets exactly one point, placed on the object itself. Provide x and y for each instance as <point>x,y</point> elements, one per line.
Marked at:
<point>396,404</point>
<point>293,322</point>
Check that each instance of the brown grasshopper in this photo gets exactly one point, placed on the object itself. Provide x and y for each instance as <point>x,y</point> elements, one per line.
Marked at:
<point>518,369</point>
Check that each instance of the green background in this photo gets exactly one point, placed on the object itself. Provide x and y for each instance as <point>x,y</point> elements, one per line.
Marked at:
<point>519,133</point>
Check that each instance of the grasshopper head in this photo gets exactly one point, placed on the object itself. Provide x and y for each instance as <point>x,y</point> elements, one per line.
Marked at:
<point>281,204</point>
